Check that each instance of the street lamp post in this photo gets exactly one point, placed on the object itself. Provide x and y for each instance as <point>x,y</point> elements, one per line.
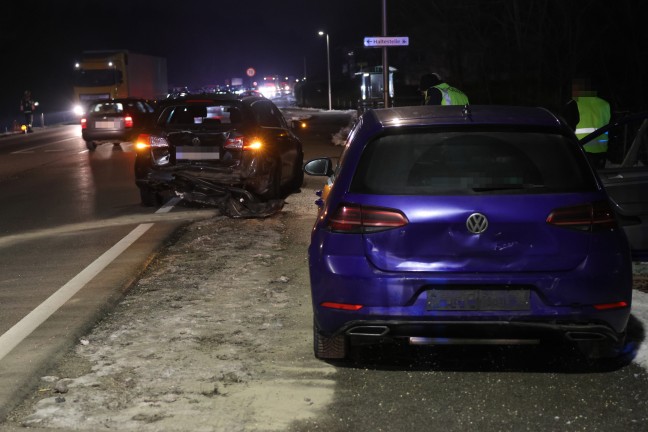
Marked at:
<point>328,67</point>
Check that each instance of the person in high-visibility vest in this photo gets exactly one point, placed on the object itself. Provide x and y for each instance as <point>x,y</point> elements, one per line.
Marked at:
<point>437,92</point>
<point>585,113</point>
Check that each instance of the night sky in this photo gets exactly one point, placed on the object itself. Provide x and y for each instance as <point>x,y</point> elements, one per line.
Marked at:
<point>499,51</point>
<point>205,41</point>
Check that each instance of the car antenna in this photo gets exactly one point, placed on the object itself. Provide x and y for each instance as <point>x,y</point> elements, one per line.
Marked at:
<point>466,112</point>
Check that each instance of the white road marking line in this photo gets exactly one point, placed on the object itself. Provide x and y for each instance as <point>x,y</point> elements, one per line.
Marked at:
<point>24,327</point>
<point>31,149</point>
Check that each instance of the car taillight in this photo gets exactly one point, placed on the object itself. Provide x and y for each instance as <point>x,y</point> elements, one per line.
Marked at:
<point>84,123</point>
<point>128,121</point>
<point>146,141</point>
<point>342,306</point>
<point>352,218</point>
<point>608,306</point>
<point>595,216</point>
<point>241,142</point>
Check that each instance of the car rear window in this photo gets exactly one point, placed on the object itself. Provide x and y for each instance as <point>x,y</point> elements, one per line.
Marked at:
<point>442,163</point>
<point>201,114</point>
<point>119,107</point>
<point>106,108</point>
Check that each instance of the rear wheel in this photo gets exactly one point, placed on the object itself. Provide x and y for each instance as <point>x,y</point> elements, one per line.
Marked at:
<point>297,179</point>
<point>149,197</point>
<point>325,347</point>
<point>273,185</point>
<point>606,354</point>
<point>91,145</point>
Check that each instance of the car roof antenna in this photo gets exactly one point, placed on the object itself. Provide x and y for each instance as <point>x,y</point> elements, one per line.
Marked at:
<point>466,112</point>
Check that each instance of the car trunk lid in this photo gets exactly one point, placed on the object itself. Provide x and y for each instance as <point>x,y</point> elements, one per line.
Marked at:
<point>443,234</point>
<point>206,146</point>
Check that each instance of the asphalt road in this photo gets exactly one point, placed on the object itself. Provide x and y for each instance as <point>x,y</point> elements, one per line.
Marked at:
<point>72,238</point>
<point>425,388</point>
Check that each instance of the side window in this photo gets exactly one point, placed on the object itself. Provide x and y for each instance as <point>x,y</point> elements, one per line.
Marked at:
<point>267,115</point>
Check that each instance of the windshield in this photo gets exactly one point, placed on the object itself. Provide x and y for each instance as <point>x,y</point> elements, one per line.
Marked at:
<point>97,77</point>
<point>201,114</point>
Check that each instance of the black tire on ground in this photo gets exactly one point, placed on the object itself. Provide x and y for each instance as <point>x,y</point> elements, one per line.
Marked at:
<point>274,181</point>
<point>329,348</point>
<point>91,145</point>
<point>149,197</point>
<point>298,177</point>
<point>605,354</point>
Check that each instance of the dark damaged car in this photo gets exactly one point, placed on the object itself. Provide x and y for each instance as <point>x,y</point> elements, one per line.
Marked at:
<point>236,153</point>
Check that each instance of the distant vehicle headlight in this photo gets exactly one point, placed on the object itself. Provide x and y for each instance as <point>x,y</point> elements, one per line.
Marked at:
<point>78,110</point>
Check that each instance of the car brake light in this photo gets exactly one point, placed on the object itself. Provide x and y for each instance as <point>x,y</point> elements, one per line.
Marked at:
<point>128,121</point>
<point>146,141</point>
<point>352,218</point>
<point>608,306</point>
<point>597,216</point>
<point>343,306</point>
<point>84,123</point>
<point>240,142</point>
<point>143,142</point>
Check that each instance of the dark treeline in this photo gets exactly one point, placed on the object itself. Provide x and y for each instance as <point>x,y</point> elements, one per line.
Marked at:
<point>526,52</point>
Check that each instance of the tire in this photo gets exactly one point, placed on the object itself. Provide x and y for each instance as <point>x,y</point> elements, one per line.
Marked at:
<point>329,348</point>
<point>298,177</point>
<point>273,190</point>
<point>605,354</point>
<point>148,197</point>
<point>91,145</point>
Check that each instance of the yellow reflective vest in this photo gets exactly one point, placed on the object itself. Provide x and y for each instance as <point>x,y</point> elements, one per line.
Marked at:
<point>451,95</point>
<point>594,113</point>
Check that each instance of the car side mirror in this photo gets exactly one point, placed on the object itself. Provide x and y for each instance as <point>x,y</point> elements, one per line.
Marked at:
<point>319,167</point>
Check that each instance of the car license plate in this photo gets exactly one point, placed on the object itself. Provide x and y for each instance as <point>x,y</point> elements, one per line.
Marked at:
<point>197,153</point>
<point>477,299</point>
<point>106,124</point>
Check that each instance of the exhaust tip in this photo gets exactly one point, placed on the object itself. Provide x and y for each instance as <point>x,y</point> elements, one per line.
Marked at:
<point>584,336</point>
<point>376,331</point>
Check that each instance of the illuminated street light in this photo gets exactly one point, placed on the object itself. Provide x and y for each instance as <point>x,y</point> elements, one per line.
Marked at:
<point>328,67</point>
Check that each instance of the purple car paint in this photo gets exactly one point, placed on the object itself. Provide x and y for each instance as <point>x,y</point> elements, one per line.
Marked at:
<point>476,224</point>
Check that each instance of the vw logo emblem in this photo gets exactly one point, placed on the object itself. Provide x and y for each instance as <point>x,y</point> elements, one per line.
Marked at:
<point>477,223</point>
<point>195,141</point>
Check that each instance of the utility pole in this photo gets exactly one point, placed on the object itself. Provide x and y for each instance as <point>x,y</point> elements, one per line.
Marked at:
<point>384,53</point>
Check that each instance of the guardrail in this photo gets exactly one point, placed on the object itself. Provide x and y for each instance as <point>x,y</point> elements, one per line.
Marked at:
<point>11,124</point>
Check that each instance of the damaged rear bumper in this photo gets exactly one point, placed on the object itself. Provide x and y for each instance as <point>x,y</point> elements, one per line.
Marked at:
<point>224,188</point>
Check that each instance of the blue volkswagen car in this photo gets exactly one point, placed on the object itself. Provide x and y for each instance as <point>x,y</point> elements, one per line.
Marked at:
<point>466,225</point>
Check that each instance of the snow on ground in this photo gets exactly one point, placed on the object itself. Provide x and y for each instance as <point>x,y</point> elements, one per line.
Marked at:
<point>640,311</point>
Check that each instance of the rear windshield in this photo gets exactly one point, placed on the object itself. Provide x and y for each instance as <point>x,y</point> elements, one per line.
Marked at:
<point>118,107</point>
<point>443,163</point>
<point>106,108</point>
<point>201,114</point>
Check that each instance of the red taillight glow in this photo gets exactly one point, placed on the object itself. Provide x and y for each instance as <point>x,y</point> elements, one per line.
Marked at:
<point>342,306</point>
<point>240,142</point>
<point>352,218</point>
<point>143,142</point>
<point>607,306</point>
<point>595,216</point>
<point>84,123</point>
<point>128,121</point>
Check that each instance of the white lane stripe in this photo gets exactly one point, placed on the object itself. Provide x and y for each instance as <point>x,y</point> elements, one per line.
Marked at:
<point>31,149</point>
<point>24,327</point>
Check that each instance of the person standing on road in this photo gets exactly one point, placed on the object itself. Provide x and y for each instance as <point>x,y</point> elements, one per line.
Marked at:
<point>27,107</point>
<point>437,92</point>
<point>585,113</point>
